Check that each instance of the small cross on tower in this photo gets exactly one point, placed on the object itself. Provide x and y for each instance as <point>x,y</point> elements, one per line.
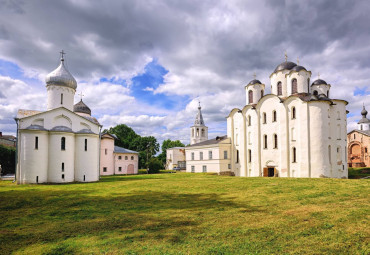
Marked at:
<point>286,56</point>
<point>62,53</point>
<point>297,60</point>
<point>318,74</point>
<point>81,95</point>
<point>254,75</point>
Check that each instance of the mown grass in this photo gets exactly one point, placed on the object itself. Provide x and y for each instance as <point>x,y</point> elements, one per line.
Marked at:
<point>186,214</point>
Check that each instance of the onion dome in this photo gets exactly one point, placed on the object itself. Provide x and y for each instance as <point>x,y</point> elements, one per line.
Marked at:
<point>61,77</point>
<point>319,82</point>
<point>298,68</point>
<point>287,65</point>
<point>364,112</point>
<point>364,119</point>
<point>81,107</point>
<point>252,82</point>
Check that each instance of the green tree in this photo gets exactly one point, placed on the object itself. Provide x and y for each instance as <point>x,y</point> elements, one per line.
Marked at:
<point>166,144</point>
<point>126,136</point>
<point>7,159</point>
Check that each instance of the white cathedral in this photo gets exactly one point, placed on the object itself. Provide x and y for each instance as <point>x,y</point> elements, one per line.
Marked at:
<point>296,131</point>
<point>61,144</point>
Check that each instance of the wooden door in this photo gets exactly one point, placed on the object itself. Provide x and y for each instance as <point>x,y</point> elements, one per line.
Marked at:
<point>265,172</point>
<point>130,169</point>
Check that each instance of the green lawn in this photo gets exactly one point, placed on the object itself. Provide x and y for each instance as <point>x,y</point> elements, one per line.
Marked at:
<point>187,214</point>
<point>357,173</point>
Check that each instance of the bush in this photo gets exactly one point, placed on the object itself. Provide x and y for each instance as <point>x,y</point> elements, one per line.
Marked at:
<point>7,160</point>
<point>155,165</point>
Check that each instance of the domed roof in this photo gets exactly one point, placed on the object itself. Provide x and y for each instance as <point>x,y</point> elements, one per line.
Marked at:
<point>254,82</point>
<point>287,65</point>
<point>319,82</point>
<point>81,107</point>
<point>298,68</point>
<point>364,119</point>
<point>364,112</point>
<point>61,77</point>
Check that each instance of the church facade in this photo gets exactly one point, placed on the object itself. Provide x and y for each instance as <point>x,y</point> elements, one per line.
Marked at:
<point>296,131</point>
<point>61,144</point>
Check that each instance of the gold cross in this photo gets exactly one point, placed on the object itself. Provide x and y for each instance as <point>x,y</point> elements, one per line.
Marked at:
<point>81,95</point>
<point>286,56</point>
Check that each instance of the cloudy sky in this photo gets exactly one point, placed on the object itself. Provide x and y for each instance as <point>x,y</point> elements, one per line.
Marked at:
<point>147,63</point>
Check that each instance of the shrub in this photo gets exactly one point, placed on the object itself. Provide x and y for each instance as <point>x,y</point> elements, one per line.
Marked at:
<point>155,165</point>
<point>7,160</point>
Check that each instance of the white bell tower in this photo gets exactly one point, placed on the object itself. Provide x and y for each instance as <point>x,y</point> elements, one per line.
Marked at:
<point>198,132</point>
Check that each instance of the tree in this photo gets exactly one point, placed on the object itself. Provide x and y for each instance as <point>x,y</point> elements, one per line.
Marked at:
<point>166,144</point>
<point>7,159</point>
<point>126,136</point>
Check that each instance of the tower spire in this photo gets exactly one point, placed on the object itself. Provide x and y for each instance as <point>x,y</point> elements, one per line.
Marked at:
<point>199,118</point>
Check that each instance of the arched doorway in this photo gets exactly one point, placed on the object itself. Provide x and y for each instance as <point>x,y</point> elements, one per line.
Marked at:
<point>130,169</point>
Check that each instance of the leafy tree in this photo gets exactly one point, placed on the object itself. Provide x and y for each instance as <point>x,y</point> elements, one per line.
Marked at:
<point>7,159</point>
<point>126,136</point>
<point>166,144</point>
<point>154,165</point>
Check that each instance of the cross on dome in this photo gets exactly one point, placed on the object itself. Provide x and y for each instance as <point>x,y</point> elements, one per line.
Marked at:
<point>297,60</point>
<point>254,75</point>
<point>81,95</point>
<point>318,75</point>
<point>286,56</point>
<point>62,53</point>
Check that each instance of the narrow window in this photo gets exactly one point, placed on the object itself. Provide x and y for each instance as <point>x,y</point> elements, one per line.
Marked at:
<point>264,118</point>
<point>204,169</point>
<point>274,116</point>
<point>106,151</point>
<point>249,120</point>
<point>229,166</point>
<point>294,155</point>
<point>210,154</point>
<point>104,169</point>
<point>279,89</point>
<point>120,169</point>
<point>294,86</point>
<point>119,157</point>
<point>225,154</point>
<point>354,136</point>
<point>63,144</point>
<point>37,179</point>
<point>193,169</point>
<point>365,149</point>
<point>36,143</point>
<point>84,177</point>
<point>197,132</point>
<point>275,141</point>
<point>61,98</point>
<point>315,93</point>
<point>126,158</point>
<point>265,141</point>
<point>201,155</point>
<point>261,93</point>
<point>132,157</point>
<point>250,96</point>
<point>329,153</point>
<point>63,176</point>
<point>293,112</point>
<point>62,166</point>
<point>203,133</point>
<point>192,156</point>
<point>85,144</point>
<point>308,85</point>
<point>249,155</point>
<point>237,156</point>
<point>327,93</point>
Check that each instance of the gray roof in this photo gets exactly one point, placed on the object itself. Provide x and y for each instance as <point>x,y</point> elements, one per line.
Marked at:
<point>298,68</point>
<point>216,140</point>
<point>252,82</point>
<point>36,127</point>
<point>90,118</point>
<point>85,131</point>
<point>61,77</point>
<point>61,129</point>
<point>319,82</point>
<point>364,132</point>
<point>82,108</point>
<point>285,66</point>
<point>118,149</point>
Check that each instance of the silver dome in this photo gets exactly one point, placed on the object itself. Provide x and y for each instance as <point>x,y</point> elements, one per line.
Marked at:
<point>61,77</point>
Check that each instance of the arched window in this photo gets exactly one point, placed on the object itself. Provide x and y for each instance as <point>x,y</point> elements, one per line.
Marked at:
<point>275,141</point>
<point>264,118</point>
<point>308,85</point>
<point>203,133</point>
<point>329,153</point>
<point>63,143</point>
<point>293,112</point>
<point>250,96</point>
<point>327,93</point>
<point>197,132</point>
<point>249,155</point>
<point>261,93</point>
<point>273,116</point>
<point>294,86</point>
<point>265,141</point>
<point>249,120</point>
<point>279,89</point>
<point>61,98</point>
<point>294,155</point>
<point>315,92</point>
<point>126,158</point>
<point>132,157</point>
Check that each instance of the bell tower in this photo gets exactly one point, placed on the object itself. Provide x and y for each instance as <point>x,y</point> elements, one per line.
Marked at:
<point>198,132</point>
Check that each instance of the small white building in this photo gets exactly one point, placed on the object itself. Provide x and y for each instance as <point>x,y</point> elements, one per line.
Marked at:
<point>61,144</point>
<point>115,159</point>
<point>175,157</point>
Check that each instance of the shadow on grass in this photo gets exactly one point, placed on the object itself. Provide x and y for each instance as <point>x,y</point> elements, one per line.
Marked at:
<point>123,178</point>
<point>39,217</point>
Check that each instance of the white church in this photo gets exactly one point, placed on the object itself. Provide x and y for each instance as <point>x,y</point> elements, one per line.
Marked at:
<point>296,131</point>
<point>61,144</point>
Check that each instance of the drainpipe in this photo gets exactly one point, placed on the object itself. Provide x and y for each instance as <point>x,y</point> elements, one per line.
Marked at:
<point>99,152</point>
<point>16,151</point>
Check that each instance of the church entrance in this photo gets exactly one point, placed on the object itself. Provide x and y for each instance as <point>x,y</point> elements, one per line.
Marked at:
<point>269,172</point>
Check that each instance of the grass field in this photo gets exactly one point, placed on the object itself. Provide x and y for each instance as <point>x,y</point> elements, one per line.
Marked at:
<point>187,214</point>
